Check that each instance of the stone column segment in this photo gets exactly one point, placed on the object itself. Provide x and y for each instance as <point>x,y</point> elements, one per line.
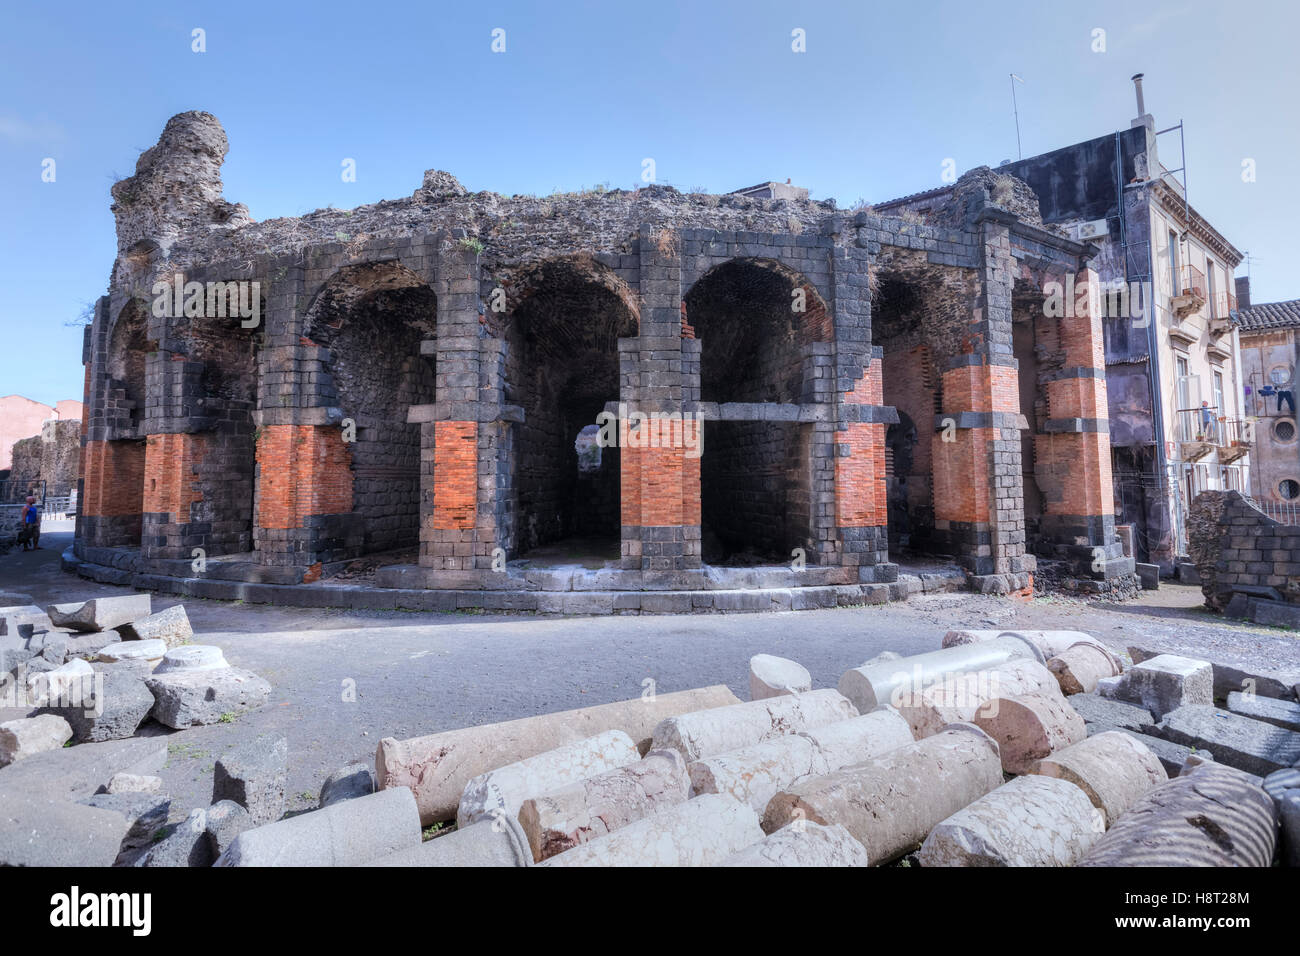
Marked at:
<point>438,766</point>
<point>704,733</point>
<point>1031,821</point>
<point>705,831</point>
<point>891,803</point>
<point>590,808</point>
<point>1029,728</point>
<point>1113,768</point>
<point>502,791</point>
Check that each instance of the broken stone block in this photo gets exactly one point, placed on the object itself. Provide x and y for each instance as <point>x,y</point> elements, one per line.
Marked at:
<point>87,646</point>
<point>41,829</point>
<point>754,774</point>
<point>1207,816</point>
<point>71,773</point>
<point>1280,713</point>
<point>1167,682</point>
<point>809,844</point>
<point>1240,675</point>
<point>1029,727</point>
<point>32,735</point>
<point>183,844</point>
<point>705,831</point>
<point>1078,668</point>
<point>959,698</point>
<point>69,684</point>
<point>347,833</point>
<point>1114,769</point>
<point>590,808</point>
<point>254,776</point>
<point>1095,709</point>
<point>503,790</point>
<point>14,653</point>
<point>1248,745</point>
<point>100,614</point>
<point>224,821</point>
<point>193,698</point>
<point>115,706</point>
<point>1289,812</point>
<point>771,676</point>
<point>133,783</point>
<point>706,732</point>
<point>1280,781</point>
<point>894,681</point>
<point>438,767</point>
<point>145,813</point>
<point>347,783</point>
<point>171,626</point>
<point>1030,821</point>
<point>890,803</point>
<point>192,657</point>
<point>51,646</point>
<point>150,651</point>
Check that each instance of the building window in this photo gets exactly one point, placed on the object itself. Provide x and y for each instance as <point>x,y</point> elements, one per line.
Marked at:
<point>1289,489</point>
<point>1284,430</point>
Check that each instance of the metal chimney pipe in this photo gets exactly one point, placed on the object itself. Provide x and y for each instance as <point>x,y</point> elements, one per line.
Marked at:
<point>1137,85</point>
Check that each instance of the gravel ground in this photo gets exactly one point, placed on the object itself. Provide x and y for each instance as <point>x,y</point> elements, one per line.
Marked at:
<point>417,673</point>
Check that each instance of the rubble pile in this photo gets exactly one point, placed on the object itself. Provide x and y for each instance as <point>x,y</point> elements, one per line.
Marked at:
<point>104,678</point>
<point>1033,748</point>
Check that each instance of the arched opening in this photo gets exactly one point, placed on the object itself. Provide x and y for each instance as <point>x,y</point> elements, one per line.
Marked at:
<point>128,348</point>
<point>562,368</point>
<point>225,353</point>
<point>919,316</point>
<point>372,320</point>
<point>113,502</point>
<point>758,324</point>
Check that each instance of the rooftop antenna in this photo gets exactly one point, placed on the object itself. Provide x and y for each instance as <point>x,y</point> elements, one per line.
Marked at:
<point>1016,108</point>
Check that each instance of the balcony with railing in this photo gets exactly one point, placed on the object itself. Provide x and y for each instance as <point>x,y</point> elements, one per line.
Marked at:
<point>1189,293</point>
<point>1200,431</point>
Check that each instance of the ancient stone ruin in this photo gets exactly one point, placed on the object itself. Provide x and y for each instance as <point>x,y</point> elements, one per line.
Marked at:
<point>799,396</point>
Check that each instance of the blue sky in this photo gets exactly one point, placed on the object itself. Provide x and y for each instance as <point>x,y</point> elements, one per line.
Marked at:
<point>712,91</point>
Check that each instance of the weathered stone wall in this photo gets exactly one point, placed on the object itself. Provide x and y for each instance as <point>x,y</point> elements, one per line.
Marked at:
<point>471,337</point>
<point>1238,549</point>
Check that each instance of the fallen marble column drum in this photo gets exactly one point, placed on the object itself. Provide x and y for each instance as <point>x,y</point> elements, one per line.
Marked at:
<point>343,834</point>
<point>497,842</point>
<point>583,811</point>
<point>1030,821</point>
<point>960,697</point>
<point>1113,768</point>
<point>438,767</point>
<point>755,774</point>
<point>1080,666</point>
<point>705,831</point>
<point>891,803</point>
<point>890,681</point>
<point>1208,815</point>
<point>503,790</point>
<point>804,844</point>
<point>702,733</point>
<point>1049,643</point>
<point>1030,727</point>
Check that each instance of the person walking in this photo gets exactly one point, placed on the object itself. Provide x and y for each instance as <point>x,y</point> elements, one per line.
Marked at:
<point>31,517</point>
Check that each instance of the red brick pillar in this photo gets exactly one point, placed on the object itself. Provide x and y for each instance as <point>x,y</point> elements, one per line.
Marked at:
<point>977,500</point>
<point>1072,449</point>
<point>304,474</point>
<point>112,493</point>
<point>660,493</point>
<point>861,498</point>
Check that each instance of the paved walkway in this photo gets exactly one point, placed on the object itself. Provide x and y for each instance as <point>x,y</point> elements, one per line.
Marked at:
<point>416,673</point>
